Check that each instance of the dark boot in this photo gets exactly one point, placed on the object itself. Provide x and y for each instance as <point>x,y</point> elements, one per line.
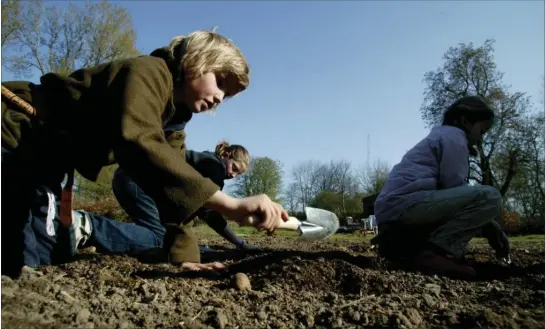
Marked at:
<point>431,263</point>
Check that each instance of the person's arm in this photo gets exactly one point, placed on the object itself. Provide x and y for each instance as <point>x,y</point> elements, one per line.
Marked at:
<point>142,92</point>
<point>453,161</point>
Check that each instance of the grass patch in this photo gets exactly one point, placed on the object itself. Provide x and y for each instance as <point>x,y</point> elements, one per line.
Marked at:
<point>241,231</point>
<point>250,231</point>
<point>533,238</point>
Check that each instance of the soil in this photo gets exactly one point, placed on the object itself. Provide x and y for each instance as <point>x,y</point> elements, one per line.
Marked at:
<point>295,284</point>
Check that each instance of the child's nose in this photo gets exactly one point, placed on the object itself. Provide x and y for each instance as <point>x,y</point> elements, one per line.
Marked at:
<point>218,98</point>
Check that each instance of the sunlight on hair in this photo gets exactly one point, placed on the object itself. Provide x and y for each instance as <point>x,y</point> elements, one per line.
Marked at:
<point>206,51</point>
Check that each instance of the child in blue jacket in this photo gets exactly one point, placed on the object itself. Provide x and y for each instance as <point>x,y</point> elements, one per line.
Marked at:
<point>427,212</point>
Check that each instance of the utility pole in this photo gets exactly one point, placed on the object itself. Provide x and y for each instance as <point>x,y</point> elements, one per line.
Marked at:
<point>368,153</point>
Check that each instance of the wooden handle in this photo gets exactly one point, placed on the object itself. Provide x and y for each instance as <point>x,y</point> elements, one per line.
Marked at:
<point>27,108</point>
<point>292,223</point>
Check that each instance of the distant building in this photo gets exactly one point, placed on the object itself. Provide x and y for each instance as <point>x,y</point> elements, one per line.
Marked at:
<point>369,205</point>
<point>368,216</point>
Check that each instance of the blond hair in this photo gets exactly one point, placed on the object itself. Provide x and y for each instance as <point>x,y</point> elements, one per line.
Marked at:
<point>238,153</point>
<point>203,52</point>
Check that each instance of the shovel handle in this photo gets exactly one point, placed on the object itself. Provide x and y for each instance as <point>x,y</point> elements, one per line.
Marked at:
<point>292,223</point>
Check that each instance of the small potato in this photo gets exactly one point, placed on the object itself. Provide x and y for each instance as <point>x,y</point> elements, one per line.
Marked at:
<point>242,282</point>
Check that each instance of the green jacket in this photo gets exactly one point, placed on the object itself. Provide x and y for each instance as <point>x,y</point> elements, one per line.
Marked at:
<point>117,110</point>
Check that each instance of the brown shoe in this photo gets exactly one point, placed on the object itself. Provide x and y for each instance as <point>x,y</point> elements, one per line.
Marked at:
<point>432,263</point>
<point>181,245</point>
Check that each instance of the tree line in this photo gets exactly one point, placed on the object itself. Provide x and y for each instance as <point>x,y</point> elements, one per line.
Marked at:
<point>39,38</point>
<point>334,186</point>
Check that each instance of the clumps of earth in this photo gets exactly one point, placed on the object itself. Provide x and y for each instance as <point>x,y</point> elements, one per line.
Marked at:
<point>294,284</point>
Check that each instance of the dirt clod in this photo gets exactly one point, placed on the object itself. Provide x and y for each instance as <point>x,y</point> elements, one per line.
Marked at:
<point>83,315</point>
<point>428,300</point>
<point>433,288</point>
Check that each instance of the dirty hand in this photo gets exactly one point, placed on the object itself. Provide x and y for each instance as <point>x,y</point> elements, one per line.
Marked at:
<point>504,249</point>
<point>269,212</point>
<point>202,267</point>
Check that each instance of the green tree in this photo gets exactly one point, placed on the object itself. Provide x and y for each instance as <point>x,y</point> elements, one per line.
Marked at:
<point>471,70</point>
<point>527,193</point>
<point>342,206</point>
<point>306,178</point>
<point>263,177</point>
<point>49,39</point>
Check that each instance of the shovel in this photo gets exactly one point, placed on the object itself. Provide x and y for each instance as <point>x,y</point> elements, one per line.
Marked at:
<point>320,224</point>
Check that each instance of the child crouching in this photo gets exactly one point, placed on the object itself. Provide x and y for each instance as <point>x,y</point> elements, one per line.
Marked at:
<point>426,212</point>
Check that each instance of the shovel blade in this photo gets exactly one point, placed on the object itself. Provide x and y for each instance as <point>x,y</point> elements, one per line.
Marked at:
<point>320,224</point>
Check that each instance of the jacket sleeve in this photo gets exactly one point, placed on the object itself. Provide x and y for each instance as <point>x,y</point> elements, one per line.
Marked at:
<point>453,162</point>
<point>142,91</point>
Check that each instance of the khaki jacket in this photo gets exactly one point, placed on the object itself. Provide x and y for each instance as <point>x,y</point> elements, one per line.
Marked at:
<point>117,110</point>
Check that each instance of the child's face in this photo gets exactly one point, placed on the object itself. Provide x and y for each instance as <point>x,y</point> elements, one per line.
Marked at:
<point>231,166</point>
<point>200,94</point>
<point>477,131</point>
<point>204,93</point>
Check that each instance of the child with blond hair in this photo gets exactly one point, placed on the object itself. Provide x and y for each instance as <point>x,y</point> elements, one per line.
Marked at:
<point>111,112</point>
<point>145,237</point>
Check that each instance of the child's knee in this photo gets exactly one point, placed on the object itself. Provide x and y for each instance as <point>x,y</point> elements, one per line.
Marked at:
<point>491,196</point>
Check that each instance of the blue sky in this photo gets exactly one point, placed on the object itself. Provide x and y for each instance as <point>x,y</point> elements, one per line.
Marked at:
<point>326,74</point>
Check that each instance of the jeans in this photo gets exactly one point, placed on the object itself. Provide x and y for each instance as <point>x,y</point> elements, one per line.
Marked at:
<point>31,231</point>
<point>147,231</point>
<point>456,215</point>
<point>110,236</point>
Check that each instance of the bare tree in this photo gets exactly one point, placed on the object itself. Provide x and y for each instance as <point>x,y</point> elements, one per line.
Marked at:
<point>11,11</point>
<point>49,39</point>
<point>306,181</point>
<point>291,198</point>
<point>373,177</point>
<point>342,172</point>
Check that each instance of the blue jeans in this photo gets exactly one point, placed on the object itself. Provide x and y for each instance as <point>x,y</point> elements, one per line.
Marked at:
<point>31,231</point>
<point>457,214</point>
<point>147,232</point>
<point>111,236</point>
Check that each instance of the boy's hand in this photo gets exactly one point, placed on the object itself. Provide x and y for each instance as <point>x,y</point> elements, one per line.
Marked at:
<point>504,248</point>
<point>203,267</point>
<point>270,212</point>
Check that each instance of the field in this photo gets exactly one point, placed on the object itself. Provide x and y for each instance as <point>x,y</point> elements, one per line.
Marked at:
<point>338,283</point>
